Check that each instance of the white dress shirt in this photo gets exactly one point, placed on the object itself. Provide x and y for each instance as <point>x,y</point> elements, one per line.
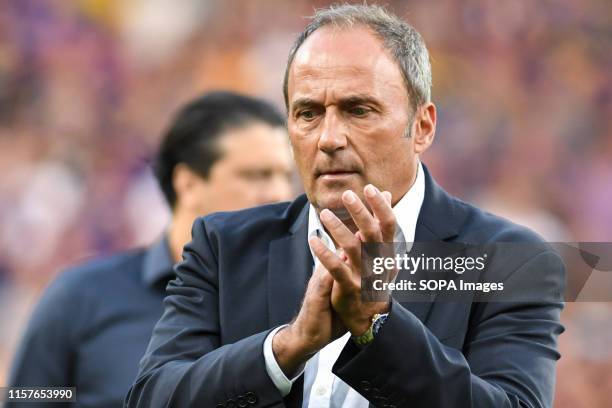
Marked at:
<point>322,389</point>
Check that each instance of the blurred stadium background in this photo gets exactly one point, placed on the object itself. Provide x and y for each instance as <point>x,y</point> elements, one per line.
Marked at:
<point>523,88</point>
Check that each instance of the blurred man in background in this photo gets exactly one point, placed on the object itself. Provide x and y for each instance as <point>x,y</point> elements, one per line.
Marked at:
<point>223,151</point>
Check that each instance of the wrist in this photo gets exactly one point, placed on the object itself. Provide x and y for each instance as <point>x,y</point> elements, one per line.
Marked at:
<point>290,350</point>
<point>364,324</point>
<point>368,336</point>
<point>361,327</point>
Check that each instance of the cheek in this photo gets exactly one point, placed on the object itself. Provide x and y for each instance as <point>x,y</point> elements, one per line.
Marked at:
<point>228,193</point>
<point>237,188</point>
<point>304,151</point>
<point>375,150</point>
<point>384,155</point>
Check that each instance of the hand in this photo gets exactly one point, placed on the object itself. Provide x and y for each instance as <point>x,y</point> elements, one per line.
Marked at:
<point>345,267</point>
<point>315,326</point>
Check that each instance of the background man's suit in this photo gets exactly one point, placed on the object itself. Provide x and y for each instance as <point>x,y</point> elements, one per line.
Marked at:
<point>245,273</point>
<point>92,326</point>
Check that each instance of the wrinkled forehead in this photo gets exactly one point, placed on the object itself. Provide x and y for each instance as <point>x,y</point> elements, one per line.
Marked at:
<point>344,58</point>
<point>355,43</point>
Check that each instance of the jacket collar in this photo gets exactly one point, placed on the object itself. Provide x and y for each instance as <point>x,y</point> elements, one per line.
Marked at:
<point>289,265</point>
<point>441,217</point>
<point>157,263</point>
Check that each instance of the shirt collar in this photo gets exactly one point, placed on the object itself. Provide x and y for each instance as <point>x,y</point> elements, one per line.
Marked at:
<point>406,213</point>
<point>157,263</point>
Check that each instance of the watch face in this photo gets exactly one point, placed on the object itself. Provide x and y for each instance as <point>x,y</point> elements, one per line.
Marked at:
<point>378,322</point>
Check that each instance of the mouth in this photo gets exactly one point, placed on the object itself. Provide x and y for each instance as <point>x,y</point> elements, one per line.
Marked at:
<point>335,174</point>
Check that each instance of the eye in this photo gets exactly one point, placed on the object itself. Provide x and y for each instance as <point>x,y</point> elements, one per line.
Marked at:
<point>359,111</point>
<point>307,115</point>
<point>255,175</point>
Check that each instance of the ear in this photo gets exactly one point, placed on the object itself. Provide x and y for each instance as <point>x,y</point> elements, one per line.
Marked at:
<point>187,185</point>
<point>424,127</point>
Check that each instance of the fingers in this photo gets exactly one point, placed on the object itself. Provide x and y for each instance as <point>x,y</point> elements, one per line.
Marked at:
<point>380,203</point>
<point>338,269</point>
<point>376,226</point>
<point>342,235</point>
<point>322,282</point>
<point>387,196</point>
<point>364,220</point>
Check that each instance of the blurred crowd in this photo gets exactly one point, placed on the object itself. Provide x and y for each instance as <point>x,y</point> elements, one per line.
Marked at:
<point>524,97</point>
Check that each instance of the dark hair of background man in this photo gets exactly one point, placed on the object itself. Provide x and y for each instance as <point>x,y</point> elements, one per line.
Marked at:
<point>196,129</point>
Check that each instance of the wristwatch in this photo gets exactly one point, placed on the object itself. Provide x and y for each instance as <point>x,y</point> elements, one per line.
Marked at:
<point>366,338</point>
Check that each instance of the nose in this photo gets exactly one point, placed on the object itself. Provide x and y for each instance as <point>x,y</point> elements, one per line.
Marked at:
<point>333,133</point>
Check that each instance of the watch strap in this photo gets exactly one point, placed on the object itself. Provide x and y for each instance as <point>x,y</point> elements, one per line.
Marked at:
<point>366,338</point>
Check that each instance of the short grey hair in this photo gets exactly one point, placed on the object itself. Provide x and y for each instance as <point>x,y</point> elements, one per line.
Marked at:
<point>400,38</point>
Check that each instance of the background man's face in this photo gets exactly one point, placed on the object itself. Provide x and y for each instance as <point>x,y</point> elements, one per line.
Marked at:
<point>255,169</point>
<point>349,111</point>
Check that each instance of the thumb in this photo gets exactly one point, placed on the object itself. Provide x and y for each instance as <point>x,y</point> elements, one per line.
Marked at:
<point>324,281</point>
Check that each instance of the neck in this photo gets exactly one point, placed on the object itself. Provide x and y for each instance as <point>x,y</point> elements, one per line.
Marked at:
<point>179,233</point>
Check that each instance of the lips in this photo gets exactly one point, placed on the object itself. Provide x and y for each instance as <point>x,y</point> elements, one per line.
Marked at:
<point>334,171</point>
<point>338,175</point>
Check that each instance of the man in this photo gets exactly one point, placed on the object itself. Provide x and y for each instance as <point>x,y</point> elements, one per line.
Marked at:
<point>266,309</point>
<point>223,151</point>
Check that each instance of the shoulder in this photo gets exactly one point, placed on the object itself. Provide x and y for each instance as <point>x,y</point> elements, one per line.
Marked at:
<point>102,269</point>
<point>529,267</point>
<point>448,216</point>
<point>89,280</point>
<point>481,226</point>
<point>69,301</point>
<point>266,221</point>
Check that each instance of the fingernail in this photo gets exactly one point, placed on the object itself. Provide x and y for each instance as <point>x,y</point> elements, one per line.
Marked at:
<point>370,190</point>
<point>349,196</point>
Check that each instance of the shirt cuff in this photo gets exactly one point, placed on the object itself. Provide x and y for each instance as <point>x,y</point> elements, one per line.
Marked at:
<point>277,376</point>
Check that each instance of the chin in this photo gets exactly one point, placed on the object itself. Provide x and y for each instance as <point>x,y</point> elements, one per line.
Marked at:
<point>333,202</point>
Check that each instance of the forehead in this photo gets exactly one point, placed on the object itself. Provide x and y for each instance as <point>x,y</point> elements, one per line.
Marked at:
<point>254,141</point>
<point>340,60</point>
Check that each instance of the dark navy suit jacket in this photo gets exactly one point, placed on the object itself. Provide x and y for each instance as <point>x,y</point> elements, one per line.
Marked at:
<point>92,326</point>
<point>246,272</point>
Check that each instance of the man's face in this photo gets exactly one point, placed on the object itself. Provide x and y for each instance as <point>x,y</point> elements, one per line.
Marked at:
<point>255,169</point>
<point>348,116</point>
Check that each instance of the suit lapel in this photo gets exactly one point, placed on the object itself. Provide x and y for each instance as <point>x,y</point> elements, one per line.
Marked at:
<point>439,220</point>
<point>440,217</point>
<point>289,269</point>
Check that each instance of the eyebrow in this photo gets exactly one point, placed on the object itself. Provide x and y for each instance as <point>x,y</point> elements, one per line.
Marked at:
<point>304,103</point>
<point>351,100</point>
<point>358,100</point>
